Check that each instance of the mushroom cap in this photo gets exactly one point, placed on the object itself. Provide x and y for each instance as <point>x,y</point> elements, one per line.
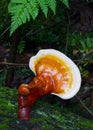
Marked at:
<point>76,83</point>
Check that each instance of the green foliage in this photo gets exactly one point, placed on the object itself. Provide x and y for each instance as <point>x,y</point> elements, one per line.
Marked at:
<point>7,107</point>
<point>24,72</point>
<point>46,37</point>
<point>66,2</point>
<point>64,119</point>
<point>3,77</point>
<point>80,46</point>
<point>22,10</point>
<point>3,126</point>
<point>86,44</point>
<point>43,115</point>
<point>21,47</point>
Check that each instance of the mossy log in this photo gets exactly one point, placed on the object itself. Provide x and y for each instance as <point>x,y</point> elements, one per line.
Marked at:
<point>44,116</point>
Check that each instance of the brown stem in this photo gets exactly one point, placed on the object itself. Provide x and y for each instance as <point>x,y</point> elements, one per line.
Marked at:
<point>28,94</point>
<point>83,58</point>
<point>12,64</point>
<point>5,31</point>
<point>84,106</point>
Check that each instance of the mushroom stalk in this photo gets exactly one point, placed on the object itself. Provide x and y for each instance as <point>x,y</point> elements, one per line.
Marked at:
<point>28,94</point>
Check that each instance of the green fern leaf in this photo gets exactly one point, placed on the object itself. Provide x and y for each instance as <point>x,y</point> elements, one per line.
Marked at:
<point>44,7</point>
<point>65,2</point>
<point>13,8</point>
<point>14,11</point>
<point>14,26</point>
<point>33,9</point>
<point>25,15</point>
<point>19,15</point>
<point>52,5</point>
<point>19,1</point>
<point>22,10</point>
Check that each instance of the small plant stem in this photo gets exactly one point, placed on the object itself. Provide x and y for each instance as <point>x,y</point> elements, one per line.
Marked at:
<point>84,106</point>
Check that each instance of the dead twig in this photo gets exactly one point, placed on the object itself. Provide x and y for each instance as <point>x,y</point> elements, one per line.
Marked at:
<point>12,64</point>
<point>4,31</point>
<point>33,32</point>
<point>83,58</point>
<point>1,70</point>
<point>78,97</point>
<point>84,106</point>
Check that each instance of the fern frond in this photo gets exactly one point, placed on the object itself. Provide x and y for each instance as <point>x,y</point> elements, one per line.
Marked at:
<point>65,2</point>
<point>52,5</point>
<point>33,8</point>
<point>15,21</point>
<point>43,5</point>
<point>22,10</point>
<point>18,1</point>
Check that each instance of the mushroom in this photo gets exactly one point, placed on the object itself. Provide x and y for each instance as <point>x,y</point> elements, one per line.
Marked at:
<point>55,73</point>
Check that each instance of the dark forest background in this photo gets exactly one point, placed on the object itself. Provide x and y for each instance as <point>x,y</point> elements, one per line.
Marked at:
<point>69,30</point>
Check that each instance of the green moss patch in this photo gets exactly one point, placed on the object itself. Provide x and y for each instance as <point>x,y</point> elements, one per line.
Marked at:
<point>44,116</point>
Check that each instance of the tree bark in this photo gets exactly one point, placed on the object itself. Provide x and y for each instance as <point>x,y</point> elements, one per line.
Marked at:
<point>14,40</point>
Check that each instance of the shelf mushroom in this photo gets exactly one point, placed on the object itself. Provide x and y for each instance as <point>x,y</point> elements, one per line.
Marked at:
<point>55,73</point>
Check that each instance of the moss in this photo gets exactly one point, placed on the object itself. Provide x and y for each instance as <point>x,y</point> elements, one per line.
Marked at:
<point>57,118</point>
<point>3,126</point>
<point>43,116</point>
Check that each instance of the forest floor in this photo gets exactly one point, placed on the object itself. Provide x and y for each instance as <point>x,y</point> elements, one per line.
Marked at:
<point>44,116</point>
